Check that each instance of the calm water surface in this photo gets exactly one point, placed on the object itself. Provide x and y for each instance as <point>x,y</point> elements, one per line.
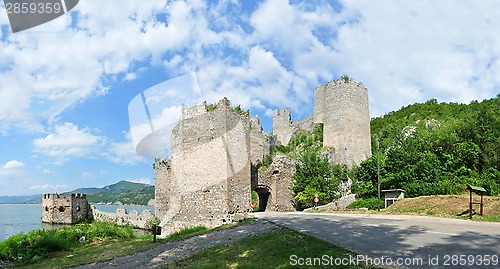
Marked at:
<point>24,218</point>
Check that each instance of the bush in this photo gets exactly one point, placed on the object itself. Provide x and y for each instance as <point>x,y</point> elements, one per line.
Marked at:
<point>315,175</point>
<point>42,242</point>
<point>35,243</point>
<point>369,202</point>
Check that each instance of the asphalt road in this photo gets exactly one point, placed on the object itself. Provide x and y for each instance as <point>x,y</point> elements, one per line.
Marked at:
<point>401,241</point>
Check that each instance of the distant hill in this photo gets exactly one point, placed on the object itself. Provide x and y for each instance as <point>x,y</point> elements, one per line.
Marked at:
<point>85,190</point>
<point>124,191</point>
<point>31,199</point>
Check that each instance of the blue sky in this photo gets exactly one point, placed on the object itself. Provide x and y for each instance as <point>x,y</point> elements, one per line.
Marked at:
<point>65,86</point>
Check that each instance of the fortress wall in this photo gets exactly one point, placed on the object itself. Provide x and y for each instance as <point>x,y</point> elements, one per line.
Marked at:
<point>210,170</point>
<point>239,161</point>
<point>319,103</point>
<point>80,208</point>
<point>259,142</point>
<point>164,182</point>
<point>306,124</point>
<point>122,217</point>
<point>64,208</point>
<point>278,178</point>
<point>283,181</point>
<point>347,122</point>
<point>282,125</point>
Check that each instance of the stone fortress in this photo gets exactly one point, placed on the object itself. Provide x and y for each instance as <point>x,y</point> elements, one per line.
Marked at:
<point>72,208</point>
<point>64,208</point>
<point>211,172</point>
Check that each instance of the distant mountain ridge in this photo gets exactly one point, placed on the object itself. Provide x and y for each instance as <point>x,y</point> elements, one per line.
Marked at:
<point>125,192</point>
<point>19,199</point>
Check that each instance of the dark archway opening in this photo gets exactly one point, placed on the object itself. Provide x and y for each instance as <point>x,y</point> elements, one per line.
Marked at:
<point>263,195</point>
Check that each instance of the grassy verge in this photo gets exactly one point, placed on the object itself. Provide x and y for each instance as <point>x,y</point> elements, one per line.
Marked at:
<point>447,206</point>
<point>106,248</point>
<point>444,206</point>
<point>268,250</point>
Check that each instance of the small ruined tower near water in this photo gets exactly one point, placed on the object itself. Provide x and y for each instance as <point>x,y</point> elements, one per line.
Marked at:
<point>64,208</point>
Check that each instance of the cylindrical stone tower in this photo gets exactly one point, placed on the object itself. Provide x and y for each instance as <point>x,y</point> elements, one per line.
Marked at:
<point>347,121</point>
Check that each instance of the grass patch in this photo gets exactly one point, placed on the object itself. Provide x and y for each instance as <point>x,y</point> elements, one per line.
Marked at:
<point>447,206</point>
<point>267,250</point>
<point>96,252</point>
<point>39,244</point>
<point>105,248</point>
<point>187,232</point>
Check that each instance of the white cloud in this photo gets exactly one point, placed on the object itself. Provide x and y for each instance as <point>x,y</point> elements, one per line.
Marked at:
<point>51,188</point>
<point>130,76</point>
<point>67,140</point>
<point>141,180</point>
<point>123,152</point>
<point>410,53</point>
<point>67,65</point>
<point>14,164</point>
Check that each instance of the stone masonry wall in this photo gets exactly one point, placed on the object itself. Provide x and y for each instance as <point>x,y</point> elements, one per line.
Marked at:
<point>319,103</point>
<point>282,125</point>
<point>260,144</point>
<point>305,124</point>
<point>347,121</point>
<point>207,179</point>
<point>64,208</point>
<point>122,217</point>
<point>278,180</point>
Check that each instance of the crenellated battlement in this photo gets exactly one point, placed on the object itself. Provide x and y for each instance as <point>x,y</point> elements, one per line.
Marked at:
<point>64,196</point>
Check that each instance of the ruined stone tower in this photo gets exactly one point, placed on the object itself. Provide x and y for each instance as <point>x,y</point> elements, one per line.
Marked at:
<point>206,181</point>
<point>260,142</point>
<point>342,106</point>
<point>282,125</point>
<point>64,208</point>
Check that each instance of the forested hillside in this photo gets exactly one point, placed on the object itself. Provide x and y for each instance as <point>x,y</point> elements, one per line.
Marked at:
<point>124,192</point>
<point>435,148</point>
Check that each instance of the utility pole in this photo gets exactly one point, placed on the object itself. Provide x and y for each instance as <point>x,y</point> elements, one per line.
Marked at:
<point>378,172</point>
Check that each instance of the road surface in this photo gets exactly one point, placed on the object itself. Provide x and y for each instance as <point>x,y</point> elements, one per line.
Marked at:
<point>401,241</point>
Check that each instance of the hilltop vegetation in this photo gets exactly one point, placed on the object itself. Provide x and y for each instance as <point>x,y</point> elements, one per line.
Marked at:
<point>435,148</point>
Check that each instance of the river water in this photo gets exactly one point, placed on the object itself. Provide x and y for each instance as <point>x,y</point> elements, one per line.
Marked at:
<point>16,218</point>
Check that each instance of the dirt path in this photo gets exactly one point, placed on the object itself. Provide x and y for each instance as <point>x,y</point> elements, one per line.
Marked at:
<point>171,252</point>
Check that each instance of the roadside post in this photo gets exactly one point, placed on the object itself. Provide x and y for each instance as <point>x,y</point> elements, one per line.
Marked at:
<point>480,191</point>
<point>156,231</point>
<point>316,200</point>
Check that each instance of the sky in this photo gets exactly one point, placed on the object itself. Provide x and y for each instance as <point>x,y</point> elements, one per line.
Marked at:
<point>69,88</point>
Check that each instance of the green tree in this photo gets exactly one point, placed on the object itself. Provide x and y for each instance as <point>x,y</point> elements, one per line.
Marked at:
<point>315,175</point>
